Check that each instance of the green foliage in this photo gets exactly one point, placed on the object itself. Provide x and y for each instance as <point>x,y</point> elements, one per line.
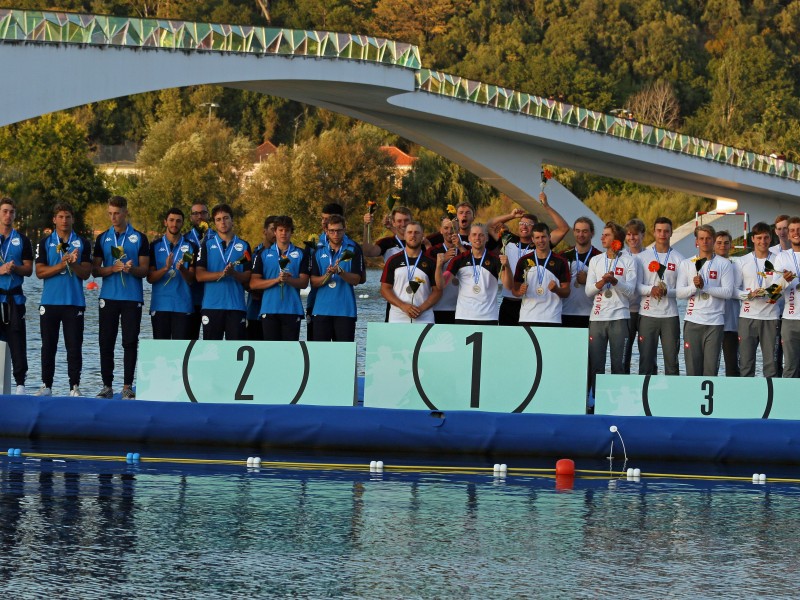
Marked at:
<point>435,182</point>
<point>44,161</point>
<point>185,161</point>
<point>346,167</point>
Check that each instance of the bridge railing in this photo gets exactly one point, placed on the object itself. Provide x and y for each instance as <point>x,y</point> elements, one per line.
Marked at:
<point>98,30</point>
<point>507,99</point>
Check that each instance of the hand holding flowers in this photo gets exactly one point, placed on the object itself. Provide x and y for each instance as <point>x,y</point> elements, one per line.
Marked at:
<point>660,289</point>
<point>346,256</point>
<point>118,254</point>
<point>283,261</point>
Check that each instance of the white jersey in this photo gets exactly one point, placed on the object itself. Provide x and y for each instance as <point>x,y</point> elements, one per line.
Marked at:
<point>755,276</point>
<point>577,303</point>
<point>613,301</point>
<point>706,306</point>
<point>789,261</point>
<point>540,304</point>
<point>637,297</point>
<point>514,251</point>
<point>660,308</point>
<point>732,304</point>
<point>477,286</point>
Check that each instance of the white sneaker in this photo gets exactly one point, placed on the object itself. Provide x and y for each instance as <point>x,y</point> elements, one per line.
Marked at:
<point>20,390</point>
<point>75,392</point>
<point>44,391</point>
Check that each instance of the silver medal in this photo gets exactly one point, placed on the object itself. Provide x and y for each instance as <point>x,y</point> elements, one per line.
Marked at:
<point>476,289</point>
<point>607,294</point>
<point>704,296</point>
<point>540,291</point>
<point>332,284</point>
<point>409,290</point>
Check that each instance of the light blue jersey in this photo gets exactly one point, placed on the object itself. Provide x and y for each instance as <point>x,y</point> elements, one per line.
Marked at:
<point>277,300</point>
<point>122,286</point>
<point>64,289</point>
<point>171,293</point>
<point>227,293</point>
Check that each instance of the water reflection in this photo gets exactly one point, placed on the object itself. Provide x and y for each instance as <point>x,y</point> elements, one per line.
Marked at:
<point>142,532</point>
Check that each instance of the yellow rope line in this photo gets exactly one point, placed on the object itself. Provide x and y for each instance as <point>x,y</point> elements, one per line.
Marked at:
<point>523,471</point>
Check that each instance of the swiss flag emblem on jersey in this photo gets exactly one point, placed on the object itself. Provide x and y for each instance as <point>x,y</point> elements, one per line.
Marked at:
<point>712,274</point>
<point>619,271</point>
<point>670,266</point>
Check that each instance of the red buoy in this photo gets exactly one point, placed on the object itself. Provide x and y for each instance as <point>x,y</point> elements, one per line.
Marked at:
<point>565,467</point>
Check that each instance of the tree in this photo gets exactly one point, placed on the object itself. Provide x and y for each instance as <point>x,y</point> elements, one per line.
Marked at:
<point>657,105</point>
<point>434,181</point>
<point>188,160</point>
<point>44,161</point>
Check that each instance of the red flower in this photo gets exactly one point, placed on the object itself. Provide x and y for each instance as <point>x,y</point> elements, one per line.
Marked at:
<point>616,245</point>
<point>654,266</point>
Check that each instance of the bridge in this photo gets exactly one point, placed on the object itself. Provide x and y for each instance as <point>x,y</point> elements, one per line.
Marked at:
<point>57,60</point>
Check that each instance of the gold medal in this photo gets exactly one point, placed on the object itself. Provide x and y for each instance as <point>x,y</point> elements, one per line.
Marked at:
<point>476,289</point>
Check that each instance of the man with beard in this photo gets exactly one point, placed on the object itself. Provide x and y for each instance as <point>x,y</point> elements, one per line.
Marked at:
<point>409,281</point>
<point>444,312</point>
<point>477,272</point>
<point>577,306</point>
<point>171,275</point>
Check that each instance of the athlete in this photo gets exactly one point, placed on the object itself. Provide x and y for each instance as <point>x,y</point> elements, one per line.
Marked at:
<point>280,271</point>
<point>515,246</point>
<point>787,268</point>
<point>198,218</point>
<point>541,279</point>
<point>16,263</point>
<point>408,282</point>
<point>634,237</point>
<point>730,335</point>
<point>223,264</point>
<point>336,268</point>
<point>122,259</point>
<point>444,312</point>
<point>477,272</point>
<point>707,281</point>
<point>63,262</point>
<point>577,306</point>
<point>171,274</point>
<point>610,284</point>
<point>255,330</point>
<point>758,316</point>
<point>658,309</point>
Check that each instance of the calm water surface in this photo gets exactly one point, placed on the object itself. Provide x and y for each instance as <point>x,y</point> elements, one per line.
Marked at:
<point>84,529</point>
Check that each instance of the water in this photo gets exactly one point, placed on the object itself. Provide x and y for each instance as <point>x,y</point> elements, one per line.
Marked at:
<point>88,529</point>
<point>371,309</point>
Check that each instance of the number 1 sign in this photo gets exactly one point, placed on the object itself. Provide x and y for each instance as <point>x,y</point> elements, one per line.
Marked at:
<point>466,367</point>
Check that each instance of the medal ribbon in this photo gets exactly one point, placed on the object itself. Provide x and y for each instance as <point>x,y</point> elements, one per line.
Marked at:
<point>658,260</point>
<point>476,275</point>
<point>7,244</point>
<point>613,266</point>
<point>226,259</point>
<point>540,274</point>
<point>177,249</point>
<point>409,270</point>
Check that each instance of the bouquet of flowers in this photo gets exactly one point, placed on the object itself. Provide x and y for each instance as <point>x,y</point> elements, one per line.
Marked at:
<point>698,262</point>
<point>546,176</point>
<point>118,254</point>
<point>312,242</point>
<point>414,286</point>
<point>659,269</point>
<point>283,261</point>
<point>202,228</point>
<point>505,240</point>
<point>62,248</point>
<point>616,247</point>
<point>245,257</point>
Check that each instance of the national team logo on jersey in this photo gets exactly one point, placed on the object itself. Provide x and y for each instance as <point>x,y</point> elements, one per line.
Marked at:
<point>712,274</point>
<point>185,248</point>
<point>619,271</point>
<point>670,266</point>
<point>133,238</point>
<point>238,247</point>
<point>294,254</point>
<point>15,242</point>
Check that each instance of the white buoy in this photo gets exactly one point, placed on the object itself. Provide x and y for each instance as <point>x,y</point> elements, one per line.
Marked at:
<point>629,472</point>
<point>373,464</point>
<point>613,429</point>
<point>496,467</point>
<point>637,472</point>
<point>379,465</point>
<point>504,468</point>
<point>250,461</point>
<point>755,477</point>
<point>256,461</point>
<point>762,477</point>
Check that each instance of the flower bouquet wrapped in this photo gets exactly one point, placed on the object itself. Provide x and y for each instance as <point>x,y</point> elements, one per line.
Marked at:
<point>118,254</point>
<point>283,261</point>
<point>63,249</point>
<point>659,269</point>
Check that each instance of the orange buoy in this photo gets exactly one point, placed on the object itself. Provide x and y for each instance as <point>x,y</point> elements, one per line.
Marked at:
<point>565,468</point>
<point>92,285</point>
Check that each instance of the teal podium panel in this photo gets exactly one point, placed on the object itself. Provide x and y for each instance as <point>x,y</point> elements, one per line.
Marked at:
<point>702,397</point>
<point>319,373</point>
<point>482,368</point>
